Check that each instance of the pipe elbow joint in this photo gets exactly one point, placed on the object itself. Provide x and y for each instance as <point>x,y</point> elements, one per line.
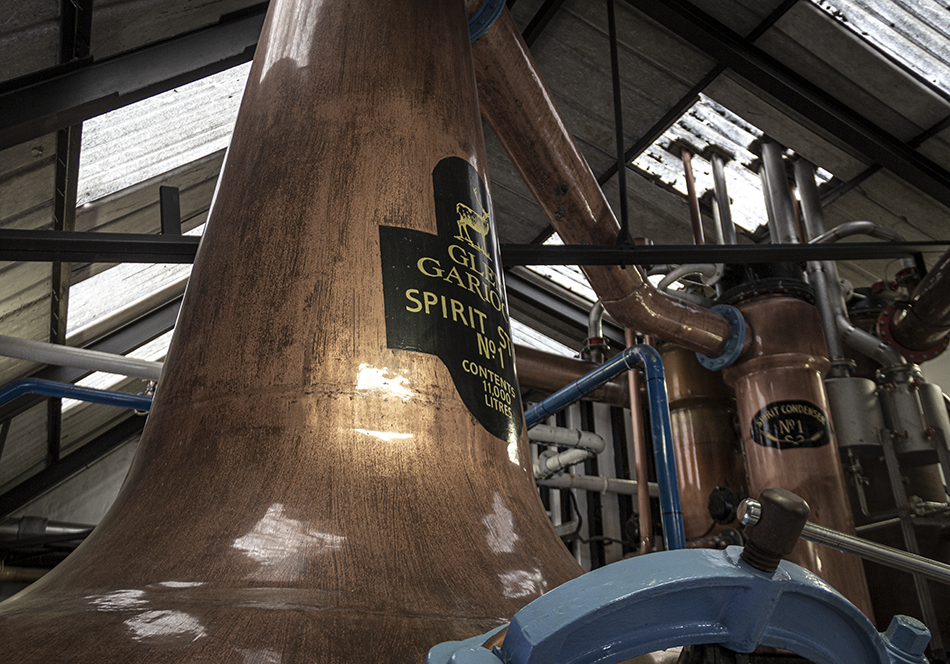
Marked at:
<point>735,343</point>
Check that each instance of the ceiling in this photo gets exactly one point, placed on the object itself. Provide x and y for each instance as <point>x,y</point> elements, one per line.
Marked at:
<point>792,70</point>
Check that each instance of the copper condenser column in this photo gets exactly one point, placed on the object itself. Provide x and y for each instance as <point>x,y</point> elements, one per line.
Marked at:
<point>708,454</point>
<point>786,431</point>
<point>335,468</point>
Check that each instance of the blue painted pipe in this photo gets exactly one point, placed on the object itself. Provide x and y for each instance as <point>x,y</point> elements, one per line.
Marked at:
<point>635,357</point>
<point>49,388</point>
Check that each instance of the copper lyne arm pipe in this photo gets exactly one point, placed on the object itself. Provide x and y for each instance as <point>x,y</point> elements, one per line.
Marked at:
<point>518,107</point>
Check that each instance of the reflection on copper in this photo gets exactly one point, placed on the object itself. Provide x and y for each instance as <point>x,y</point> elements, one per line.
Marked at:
<point>373,380</point>
<point>785,360</point>
<point>149,624</point>
<point>500,525</point>
<point>256,477</point>
<point>519,108</point>
<point>523,583</point>
<point>277,541</point>
<point>386,436</point>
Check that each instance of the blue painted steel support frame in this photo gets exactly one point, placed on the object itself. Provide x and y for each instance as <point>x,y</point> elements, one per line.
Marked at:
<point>49,388</point>
<point>679,598</point>
<point>646,358</point>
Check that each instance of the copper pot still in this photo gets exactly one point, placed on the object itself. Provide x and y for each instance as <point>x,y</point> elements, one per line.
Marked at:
<point>335,468</point>
<point>787,433</point>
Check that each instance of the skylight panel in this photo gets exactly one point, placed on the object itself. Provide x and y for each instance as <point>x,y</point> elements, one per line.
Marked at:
<point>709,123</point>
<point>151,137</point>
<point>528,336</point>
<point>914,32</point>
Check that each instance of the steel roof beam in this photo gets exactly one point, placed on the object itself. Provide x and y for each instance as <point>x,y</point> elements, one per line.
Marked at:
<point>533,254</point>
<point>831,118</point>
<point>41,103</point>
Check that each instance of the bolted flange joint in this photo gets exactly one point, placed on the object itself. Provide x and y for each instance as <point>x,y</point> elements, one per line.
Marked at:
<point>737,332</point>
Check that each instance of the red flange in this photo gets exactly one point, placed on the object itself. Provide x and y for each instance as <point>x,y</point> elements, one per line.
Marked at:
<point>915,356</point>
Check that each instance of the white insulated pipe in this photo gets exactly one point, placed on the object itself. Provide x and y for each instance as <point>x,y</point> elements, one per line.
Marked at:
<point>79,358</point>
<point>596,483</point>
<point>583,444</point>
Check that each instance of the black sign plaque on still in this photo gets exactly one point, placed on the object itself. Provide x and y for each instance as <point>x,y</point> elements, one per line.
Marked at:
<point>787,425</point>
<point>443,296</point>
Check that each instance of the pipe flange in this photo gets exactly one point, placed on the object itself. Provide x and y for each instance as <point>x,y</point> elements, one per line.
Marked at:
<point>915,356</point>
<point>483,19</point>
<point>737,332</point>
<point>769,286</point>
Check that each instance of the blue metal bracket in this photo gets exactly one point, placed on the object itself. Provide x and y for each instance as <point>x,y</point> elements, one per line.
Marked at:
<point>486,15</point>
<point>690,597</point>
<point>737,332</point>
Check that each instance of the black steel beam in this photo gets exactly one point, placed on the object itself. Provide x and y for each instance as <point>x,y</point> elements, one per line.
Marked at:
<point>573,316</point>
<point>20,245</point>
<point>532,254</point>
<point>540,20</point>
<point>70,464</point>
<point>68,95</point>
<point>691,97</point>
<point>835,121</point>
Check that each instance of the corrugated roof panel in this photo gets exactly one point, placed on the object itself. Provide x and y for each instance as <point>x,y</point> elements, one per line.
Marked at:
<point>159,134</point>
<point>25,450</point>
<point>754,105</point>
<point>123,25</point>
<point>525,335</point>
<point>742,16</point>
<point>840,62</point>
<point>916,32</point>
<point>29,37</point>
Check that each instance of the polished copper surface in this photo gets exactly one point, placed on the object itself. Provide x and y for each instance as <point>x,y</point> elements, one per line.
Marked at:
<point>548,372</point>
<point>785,362</point>
<point>927,320</point>
<point>705,442</point>
<point>302,493</point>
<point>519,108</point>
<point>640,459</point>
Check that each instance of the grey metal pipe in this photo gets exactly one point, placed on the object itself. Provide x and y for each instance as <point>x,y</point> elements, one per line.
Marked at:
<point>821,275</point>
<point>778,199</point>
<point>750,511</point>
<point>823,278</point>
<point>595,321</point>
<point>80,358</point>
<point>725,228</point>
<point>867,344</point>
<point>849,228</point>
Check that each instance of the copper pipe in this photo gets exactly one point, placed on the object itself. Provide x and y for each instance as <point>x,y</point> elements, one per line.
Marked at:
<point>548,372</point>
<point>786,432</point>
<point>694,214</point>
<point>644,511</point>
<point>21,574</point>
<point>926,321</point>
<point>519,108</point>
<point>318,479</point>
